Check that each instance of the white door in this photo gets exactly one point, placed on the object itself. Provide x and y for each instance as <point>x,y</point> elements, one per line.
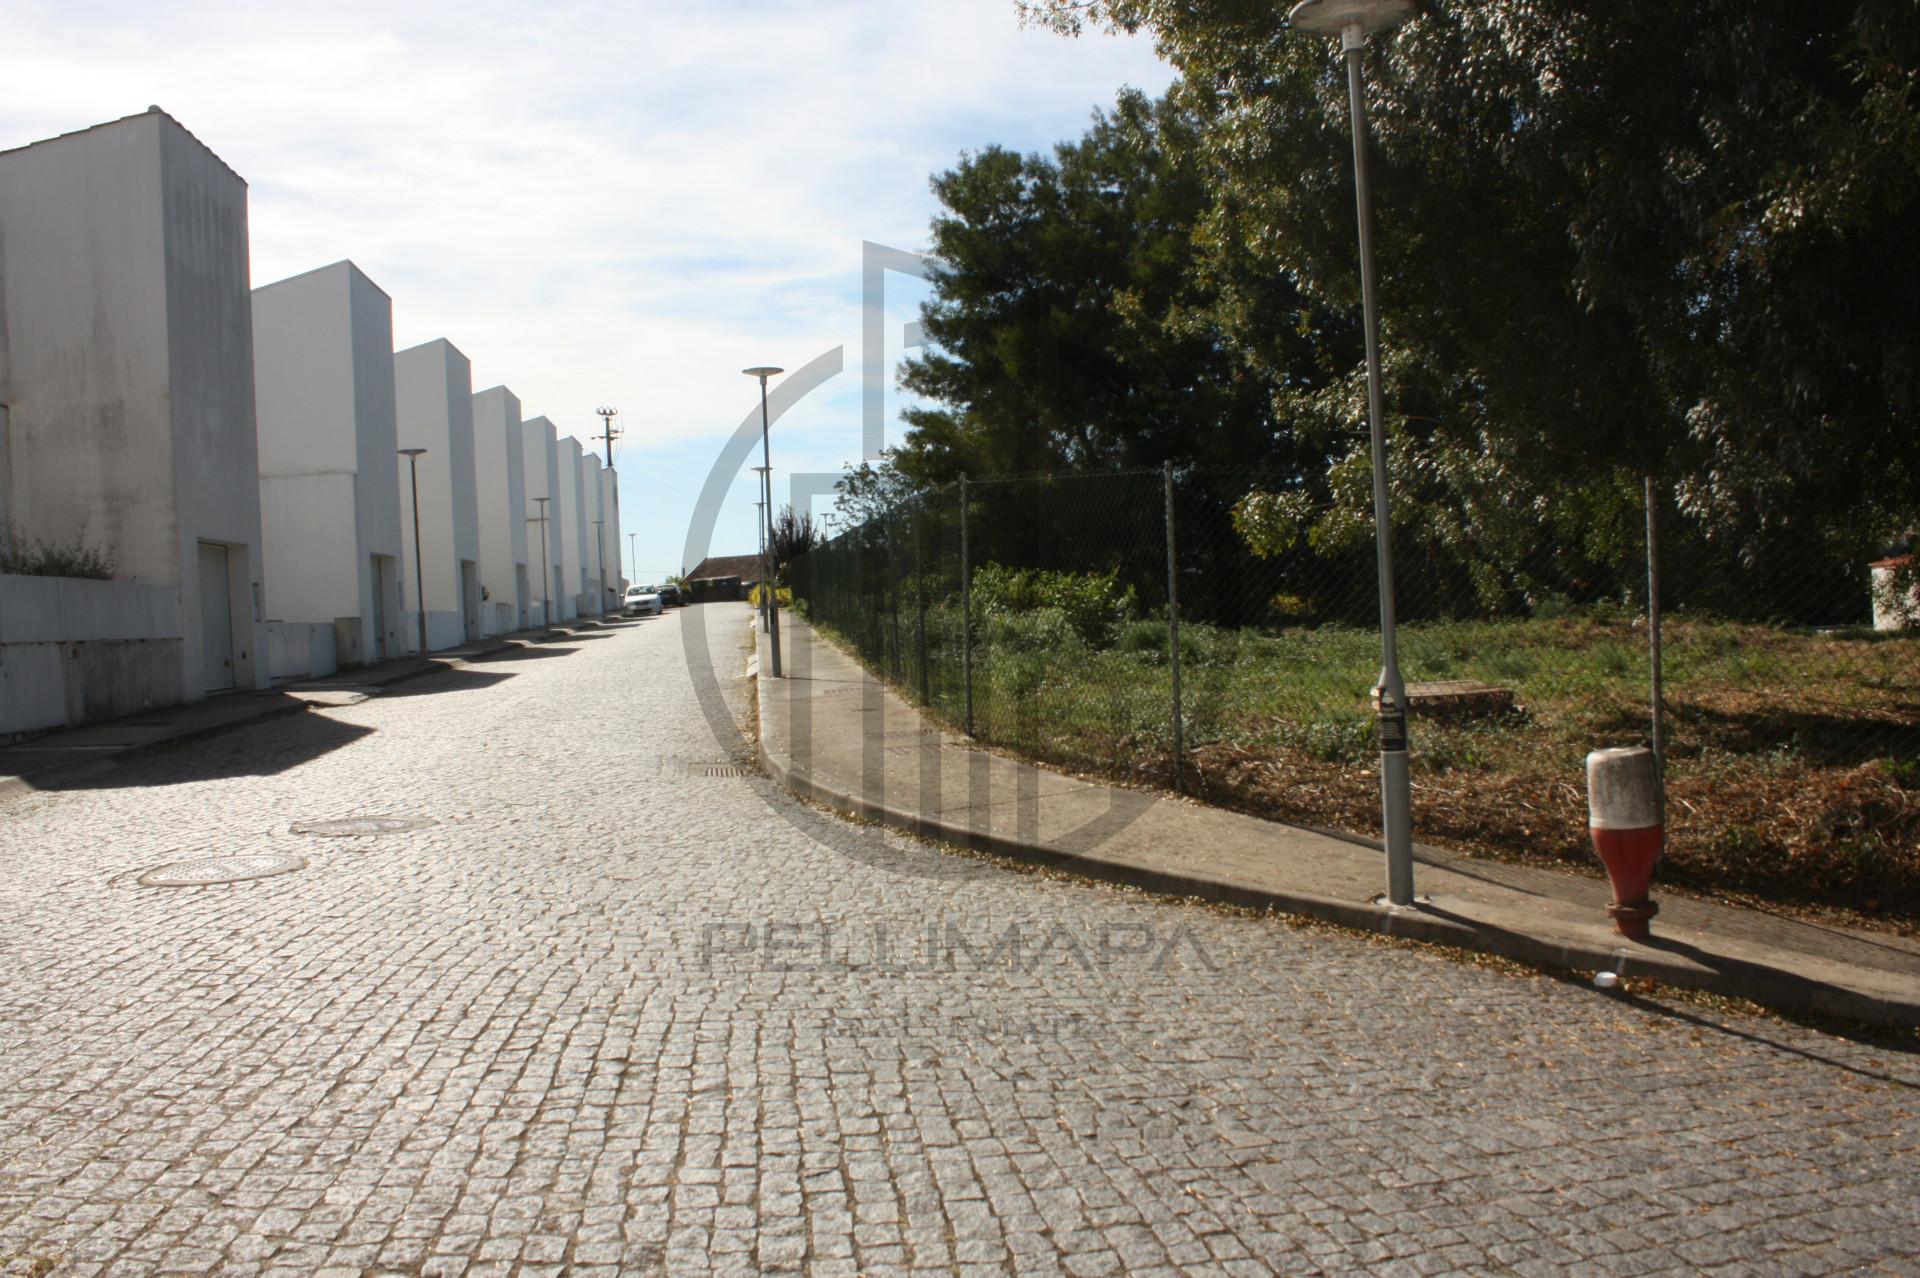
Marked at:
<point>216,617</point>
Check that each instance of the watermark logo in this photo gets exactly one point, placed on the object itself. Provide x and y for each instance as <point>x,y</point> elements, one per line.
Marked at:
<point>1021,945</point>
<point>798,687</point>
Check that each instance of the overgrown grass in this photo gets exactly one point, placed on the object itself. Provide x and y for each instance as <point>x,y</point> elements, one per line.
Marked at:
<point>1793,757</point>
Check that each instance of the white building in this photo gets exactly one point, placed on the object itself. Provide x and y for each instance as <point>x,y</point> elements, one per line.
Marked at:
<point>433,401</point>
<point>595,544</point>
<point>127,415</point>
<point>329,500</point>
<point>500,502</point>
<point>610,511</point>
<point>538,453</point>
<point>573,524</point>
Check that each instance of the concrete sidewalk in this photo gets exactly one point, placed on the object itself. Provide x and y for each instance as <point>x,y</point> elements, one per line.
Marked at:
<point>831,732</point>
<point>91,750</point>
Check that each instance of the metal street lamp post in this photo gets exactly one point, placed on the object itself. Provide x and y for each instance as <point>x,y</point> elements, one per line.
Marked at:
<point>633,551</point>
<point>760,526</point>
<point>546,569</point>
<point>606,415</point>
<point>1353,21</point>
<point>761,529</point>
<point>763,372</point>
<point>419,578</point>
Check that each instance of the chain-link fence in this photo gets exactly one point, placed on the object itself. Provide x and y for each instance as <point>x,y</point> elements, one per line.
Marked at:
<point>1041,614</point>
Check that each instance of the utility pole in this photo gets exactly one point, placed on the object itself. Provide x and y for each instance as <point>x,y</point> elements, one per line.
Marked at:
<point>607,415</point>
<point>763,372</point>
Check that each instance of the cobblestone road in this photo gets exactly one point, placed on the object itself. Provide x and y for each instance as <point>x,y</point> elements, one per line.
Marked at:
<point>606,1015</point>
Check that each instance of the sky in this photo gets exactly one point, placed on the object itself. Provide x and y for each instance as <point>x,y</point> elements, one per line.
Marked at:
<point>601,204</point>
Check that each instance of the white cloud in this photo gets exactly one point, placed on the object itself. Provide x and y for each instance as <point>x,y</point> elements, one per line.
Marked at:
<point>596,202</point>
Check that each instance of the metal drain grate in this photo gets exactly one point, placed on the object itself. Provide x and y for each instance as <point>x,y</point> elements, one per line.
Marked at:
<point>718,770</point>
<point>220,869</point>
<point>350,827</point>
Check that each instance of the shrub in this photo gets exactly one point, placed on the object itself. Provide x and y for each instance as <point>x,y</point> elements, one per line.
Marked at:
<point>1092,604</point>
<point>1343,739</point>
<point>1148,638</point>
<point>1043,629</point>
<point>782,595</point>
<point>38,558</point>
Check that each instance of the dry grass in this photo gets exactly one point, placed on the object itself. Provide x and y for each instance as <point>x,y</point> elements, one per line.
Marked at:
<point>1793,757</point>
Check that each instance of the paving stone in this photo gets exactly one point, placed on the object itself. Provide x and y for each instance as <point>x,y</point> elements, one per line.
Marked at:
<point>606,1016</point>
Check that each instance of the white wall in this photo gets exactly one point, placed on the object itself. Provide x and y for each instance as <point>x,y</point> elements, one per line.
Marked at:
<point>301,649</point>
<point>330,498</point>
<point>596,531</point>
<point>541,453</point>
<point>573,520</point>
<point>500,480</point>
<point>433,402</point>
<point>126,363</point>
<point>616,539</point>
<point>74,651</point>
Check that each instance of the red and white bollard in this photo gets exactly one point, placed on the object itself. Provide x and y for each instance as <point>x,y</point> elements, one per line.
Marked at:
<point>1624,816</point>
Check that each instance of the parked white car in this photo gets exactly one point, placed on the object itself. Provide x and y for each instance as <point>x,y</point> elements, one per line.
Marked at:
<point>641,601</point>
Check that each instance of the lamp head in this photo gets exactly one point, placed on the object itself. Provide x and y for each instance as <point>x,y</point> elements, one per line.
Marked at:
<point>763,371</point>
<point>411,452</point>
<point>1337,17</point>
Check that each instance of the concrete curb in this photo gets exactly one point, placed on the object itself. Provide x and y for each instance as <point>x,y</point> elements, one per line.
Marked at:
<point>1770,987</point>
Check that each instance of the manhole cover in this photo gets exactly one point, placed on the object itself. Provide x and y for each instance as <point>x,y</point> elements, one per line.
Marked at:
<point>718,770</point>
<point>347,827</point>
<point>221,869</point>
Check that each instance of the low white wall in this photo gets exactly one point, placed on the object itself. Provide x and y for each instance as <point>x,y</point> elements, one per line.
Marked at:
<point>74,651</point>
<point>444,630</point>
<point>301,649</point>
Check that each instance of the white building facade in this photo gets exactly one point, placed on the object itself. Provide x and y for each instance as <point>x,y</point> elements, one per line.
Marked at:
<point>596,541</point>
<point>539,450</point>
<point>433,401</point>
<point>500,500</point>
<point>616,543</point>
<point>329,494</point>
<point>127,415</point>
<point>574,527</point>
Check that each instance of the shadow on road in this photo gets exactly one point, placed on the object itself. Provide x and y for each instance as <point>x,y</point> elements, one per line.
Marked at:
<point>257,750</point>
<point>528,653</point>
<point>463,680</point>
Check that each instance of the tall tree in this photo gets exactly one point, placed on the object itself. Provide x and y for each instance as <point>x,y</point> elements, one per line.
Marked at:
<point>1629,236</point>
<point>1070,325</point>
<point>794,534</point>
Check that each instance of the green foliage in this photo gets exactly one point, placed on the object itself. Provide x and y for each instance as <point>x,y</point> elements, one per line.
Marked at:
<point>27,557</point>
<point>1616,237</point>
<point>1070,327</point>
<point>1089,605</point>
<point>1337,738</point>
<point>783,596</point>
